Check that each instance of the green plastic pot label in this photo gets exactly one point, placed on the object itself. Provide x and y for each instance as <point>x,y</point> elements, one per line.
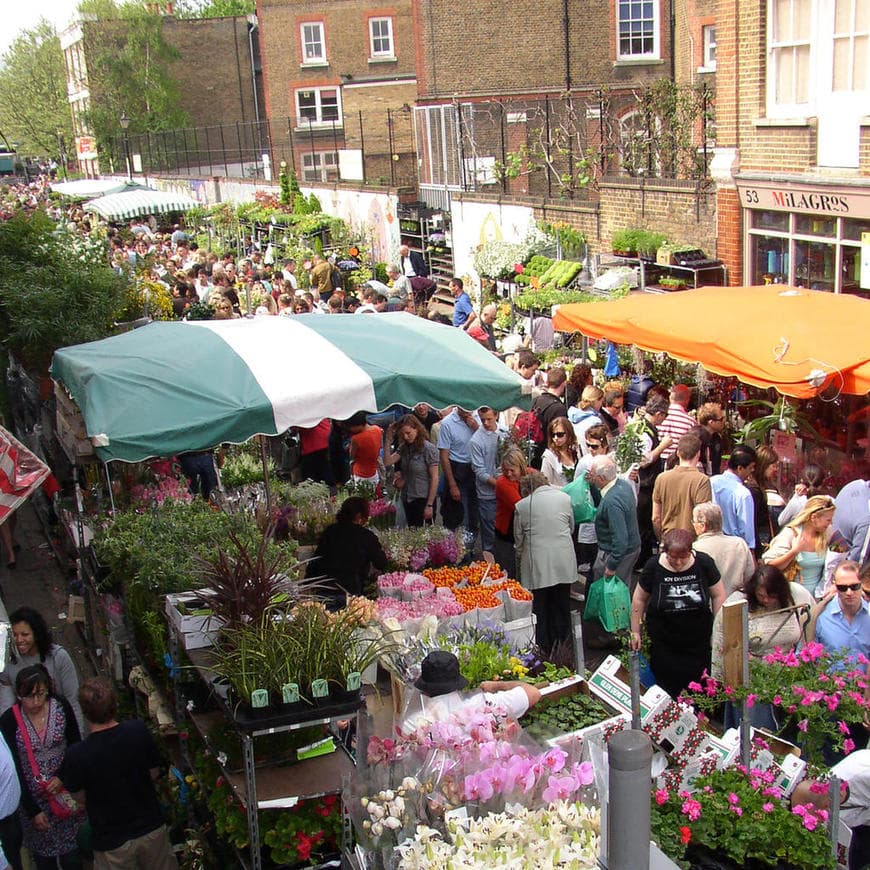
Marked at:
<point>259,698</point>
<point>319,689</point>
<point>290,693</point>
<point>353,681</point>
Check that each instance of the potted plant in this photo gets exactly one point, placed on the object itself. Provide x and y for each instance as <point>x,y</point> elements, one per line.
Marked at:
<point>648,243</point>
<point>671,283</point>
<point>624,243</point>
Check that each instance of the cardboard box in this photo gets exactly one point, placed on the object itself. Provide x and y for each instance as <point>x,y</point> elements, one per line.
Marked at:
<point>574,685</point>
<point>610,684</point>
<point>195,630</point>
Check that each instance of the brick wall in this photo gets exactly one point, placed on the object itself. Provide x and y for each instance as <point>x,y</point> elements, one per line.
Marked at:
<point>685,214</point>
<point>214,69</point>
<point>729,229</point>
<point>519,47</point>
<point>369,87</point>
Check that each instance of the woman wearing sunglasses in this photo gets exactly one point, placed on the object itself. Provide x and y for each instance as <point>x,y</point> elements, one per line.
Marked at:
<point>560,458</point>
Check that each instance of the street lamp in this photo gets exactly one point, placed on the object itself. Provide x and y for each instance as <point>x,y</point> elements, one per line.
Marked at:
<point>124,121</point>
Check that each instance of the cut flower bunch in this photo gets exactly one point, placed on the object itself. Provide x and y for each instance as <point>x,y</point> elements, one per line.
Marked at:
<point>565,834</point>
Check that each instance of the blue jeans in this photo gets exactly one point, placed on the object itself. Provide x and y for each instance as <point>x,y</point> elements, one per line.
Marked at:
<point>486,509</point>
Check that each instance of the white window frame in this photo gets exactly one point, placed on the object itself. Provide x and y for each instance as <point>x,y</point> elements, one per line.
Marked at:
<point>374,53</point>
<point>319,121</point>
<point>708,41</point>
<point>785,50</point>
<point>655,53</point>
<point>304,41</point>
<point>315,167</point>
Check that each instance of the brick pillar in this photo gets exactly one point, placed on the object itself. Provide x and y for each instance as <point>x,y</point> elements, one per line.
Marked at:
<point>729,226</point>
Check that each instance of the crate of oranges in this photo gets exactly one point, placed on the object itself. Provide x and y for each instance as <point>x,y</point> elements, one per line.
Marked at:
<point>463,575</point>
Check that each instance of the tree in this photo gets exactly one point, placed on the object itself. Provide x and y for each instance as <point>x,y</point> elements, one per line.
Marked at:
<point>129,71</point>
<point>214,8</point>
<point>34,111</point>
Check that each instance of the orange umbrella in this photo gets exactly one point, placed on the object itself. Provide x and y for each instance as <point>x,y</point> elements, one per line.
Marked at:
<point>798,341</point>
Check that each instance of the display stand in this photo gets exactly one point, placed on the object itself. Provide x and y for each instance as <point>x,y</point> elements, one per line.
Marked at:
<point>269,786</point>
<point>416,225</point>
<point>715,274</point>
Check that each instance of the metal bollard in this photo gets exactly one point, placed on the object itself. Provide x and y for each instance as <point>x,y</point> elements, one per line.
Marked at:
<point>628,802</point>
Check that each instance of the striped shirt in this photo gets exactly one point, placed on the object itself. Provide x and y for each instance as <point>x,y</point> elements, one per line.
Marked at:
<point>676,424</point>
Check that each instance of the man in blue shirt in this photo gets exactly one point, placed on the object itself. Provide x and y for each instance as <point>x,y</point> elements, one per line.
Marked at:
<point>852,517</point>
<point>459,502</point>
<point>463,314</point>
<point>10,824</point>
<point>733,496</point>
<point>844,624</point>
<point>484,464</point>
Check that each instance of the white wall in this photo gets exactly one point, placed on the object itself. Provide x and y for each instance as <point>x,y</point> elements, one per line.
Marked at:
<point>474,223</point>
<point>371,214</point>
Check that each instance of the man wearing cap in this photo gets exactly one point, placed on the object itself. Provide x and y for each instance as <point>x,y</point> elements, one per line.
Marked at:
<point>441,684</point>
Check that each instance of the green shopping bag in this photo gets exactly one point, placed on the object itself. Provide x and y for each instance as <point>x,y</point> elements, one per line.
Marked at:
<point>581,499</point>
<point>609,604</point>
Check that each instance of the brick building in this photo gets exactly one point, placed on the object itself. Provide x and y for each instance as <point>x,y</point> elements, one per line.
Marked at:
<point>793,158</point>
<point>217,70</point>
<point>491,95</point>
<point>340,77</point>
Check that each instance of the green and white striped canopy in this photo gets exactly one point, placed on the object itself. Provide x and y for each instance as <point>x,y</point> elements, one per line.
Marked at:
<point>171,387</point>
<point>86,188</point>
<point>138,203</point>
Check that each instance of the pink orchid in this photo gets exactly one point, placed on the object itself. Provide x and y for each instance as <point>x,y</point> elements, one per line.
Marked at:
<point>554,759</point>
<point>560,788</point>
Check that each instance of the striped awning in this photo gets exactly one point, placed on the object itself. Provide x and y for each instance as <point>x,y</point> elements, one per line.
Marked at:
<point>87,188</point>
<point>138,203</point>
<point>171,387</point>
<point>20,473</point>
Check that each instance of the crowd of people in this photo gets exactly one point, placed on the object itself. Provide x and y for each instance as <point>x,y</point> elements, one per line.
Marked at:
<point>67,762</point>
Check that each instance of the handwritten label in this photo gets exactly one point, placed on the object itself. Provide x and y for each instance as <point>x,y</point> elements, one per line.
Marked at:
<point>290,693</point>
<point>259,698</point>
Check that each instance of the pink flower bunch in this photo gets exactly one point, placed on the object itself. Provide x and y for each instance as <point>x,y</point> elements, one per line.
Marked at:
<point>691,808</point>
<point>163,489</point>
<point>419,559</point>
<point>440,607</point>
<point>381,507</point>
<point>443,552</point>
<point>393,580</point>
<point>810,815</point>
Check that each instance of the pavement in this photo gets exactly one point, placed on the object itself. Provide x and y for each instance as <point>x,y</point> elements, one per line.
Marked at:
<point>39,580</point>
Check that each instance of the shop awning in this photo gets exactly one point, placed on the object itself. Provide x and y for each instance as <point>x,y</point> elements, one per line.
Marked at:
<point>138,203</point>
<point>86,188</point>
<point>798,341</point>
<point>171,387</point>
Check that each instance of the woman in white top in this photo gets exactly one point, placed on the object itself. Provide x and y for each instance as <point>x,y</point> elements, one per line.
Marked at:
<point>559,461</point>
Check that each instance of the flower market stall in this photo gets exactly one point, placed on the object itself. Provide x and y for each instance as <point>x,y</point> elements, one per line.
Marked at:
<point>263,375</point>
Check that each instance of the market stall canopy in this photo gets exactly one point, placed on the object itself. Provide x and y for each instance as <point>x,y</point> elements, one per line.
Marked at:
<point>137,203</point>
<point>86,188</point>
<point>171,387</point>
<point>798,341</point>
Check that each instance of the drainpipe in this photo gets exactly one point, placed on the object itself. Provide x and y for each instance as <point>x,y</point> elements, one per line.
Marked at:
<point>252,26</point>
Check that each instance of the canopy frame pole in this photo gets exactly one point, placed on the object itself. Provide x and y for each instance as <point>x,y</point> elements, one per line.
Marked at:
<point>109,486</point>
<point>268,488</point>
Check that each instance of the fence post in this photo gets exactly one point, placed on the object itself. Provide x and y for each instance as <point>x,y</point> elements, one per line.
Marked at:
<point>224,151</point>
<point>628,801</point>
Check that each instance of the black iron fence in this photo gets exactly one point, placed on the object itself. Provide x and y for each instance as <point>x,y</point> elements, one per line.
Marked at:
<point>554,146</point>
<point>380,146</point>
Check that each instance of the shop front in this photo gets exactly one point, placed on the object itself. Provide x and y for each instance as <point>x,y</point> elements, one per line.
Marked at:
<point>806,235</point>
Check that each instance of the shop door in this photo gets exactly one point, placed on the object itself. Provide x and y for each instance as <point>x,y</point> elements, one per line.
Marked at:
<point>843,68</point>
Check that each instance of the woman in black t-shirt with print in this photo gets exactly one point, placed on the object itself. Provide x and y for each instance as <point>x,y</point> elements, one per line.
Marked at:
<point>680,592</point>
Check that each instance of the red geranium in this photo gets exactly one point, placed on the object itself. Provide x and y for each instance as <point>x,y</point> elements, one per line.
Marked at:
<point>685,835</point>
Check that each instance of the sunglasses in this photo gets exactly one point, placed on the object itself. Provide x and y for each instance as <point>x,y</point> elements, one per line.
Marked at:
<point>36,695</point>
<point>594,445</point>
<point>850,587</point>
<point>560,434</point>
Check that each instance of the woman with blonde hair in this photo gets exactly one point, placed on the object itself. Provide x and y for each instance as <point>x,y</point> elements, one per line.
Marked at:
<point>586,415</point>
<point>799,550</point>
<point>507,494</point>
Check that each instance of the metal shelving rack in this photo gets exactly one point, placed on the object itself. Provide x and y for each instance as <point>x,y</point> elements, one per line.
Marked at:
<point>272,787</point>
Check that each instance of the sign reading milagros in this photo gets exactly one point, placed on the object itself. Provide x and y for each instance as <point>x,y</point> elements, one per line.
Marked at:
<point>805,198</point>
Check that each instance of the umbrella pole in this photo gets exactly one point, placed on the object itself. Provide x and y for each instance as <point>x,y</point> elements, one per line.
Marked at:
<point>265,462</point>
<point>109,485</point>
